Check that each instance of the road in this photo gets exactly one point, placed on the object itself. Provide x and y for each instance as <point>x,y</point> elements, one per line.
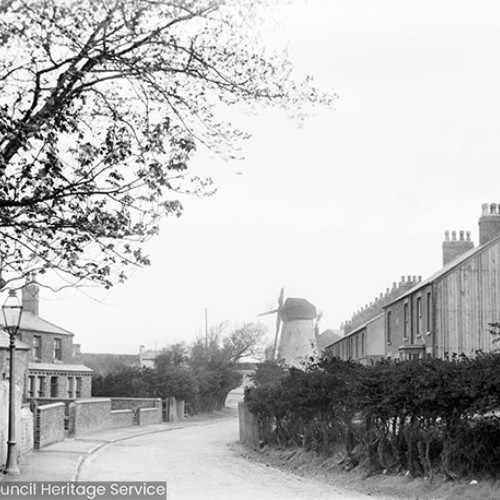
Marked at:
<point>198,464</point>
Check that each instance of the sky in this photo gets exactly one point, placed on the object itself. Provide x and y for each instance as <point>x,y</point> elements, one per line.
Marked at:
<point>339,208</point>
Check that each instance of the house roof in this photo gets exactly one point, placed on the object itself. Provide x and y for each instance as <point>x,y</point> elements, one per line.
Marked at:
<point>4,342</point>
<point>357,329</point>
<point>448,268</point>
<point>33,323</point>
<point>52,367</point>
<point>326,338</point>
<point>294,308</point>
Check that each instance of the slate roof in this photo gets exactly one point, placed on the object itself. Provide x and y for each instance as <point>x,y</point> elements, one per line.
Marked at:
<point>327,338</point>
<point>357,329</point>
<point>59,367</point>
<point>32,323</point>
<point>4,342</point>
<point>448,268</point>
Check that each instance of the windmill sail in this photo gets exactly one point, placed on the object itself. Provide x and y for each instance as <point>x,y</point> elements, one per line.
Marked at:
<point>280,306</point>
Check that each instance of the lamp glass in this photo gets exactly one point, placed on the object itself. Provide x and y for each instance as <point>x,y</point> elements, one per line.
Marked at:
<point>12,310</point>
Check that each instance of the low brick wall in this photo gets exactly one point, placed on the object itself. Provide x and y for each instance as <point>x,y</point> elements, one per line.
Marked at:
<point>92,415</point>
<point>122,418</point>
<point>48,425</point>
<point>149,416</point>
<point>249,428</point>
<point>134,403</point>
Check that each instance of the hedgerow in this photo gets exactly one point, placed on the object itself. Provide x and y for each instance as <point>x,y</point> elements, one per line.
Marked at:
<point>424,416</point>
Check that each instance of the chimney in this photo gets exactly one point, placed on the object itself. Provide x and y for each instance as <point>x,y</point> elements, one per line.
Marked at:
<point>454,247</point>
<point>30,295</point>
<point>77,351</point>
<point>489,222</point>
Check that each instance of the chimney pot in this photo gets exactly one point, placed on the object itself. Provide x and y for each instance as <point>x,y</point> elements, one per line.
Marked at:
<point>30,295</point>
<point>447,235</point>
<point>489,222</point>
<point>454,236</point>
<point>461,235</point>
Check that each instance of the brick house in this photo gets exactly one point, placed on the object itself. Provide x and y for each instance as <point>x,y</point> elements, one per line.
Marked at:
<point>450,312</point>
<point>22,358</point>
<point>47,355</point>
<point>364,333</point>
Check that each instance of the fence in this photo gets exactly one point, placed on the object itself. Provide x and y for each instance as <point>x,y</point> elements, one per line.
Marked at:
<point>249,427</point>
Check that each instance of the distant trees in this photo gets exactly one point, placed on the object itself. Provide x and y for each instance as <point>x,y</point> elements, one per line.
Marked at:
<point>202,375</point>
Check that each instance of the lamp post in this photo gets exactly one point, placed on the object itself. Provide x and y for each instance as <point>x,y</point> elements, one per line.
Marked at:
<point>12,310</point>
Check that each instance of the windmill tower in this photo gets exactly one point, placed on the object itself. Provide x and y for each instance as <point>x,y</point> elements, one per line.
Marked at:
<point>295,338</point>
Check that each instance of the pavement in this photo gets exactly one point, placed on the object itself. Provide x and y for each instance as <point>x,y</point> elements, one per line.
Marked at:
<point>62,461</point>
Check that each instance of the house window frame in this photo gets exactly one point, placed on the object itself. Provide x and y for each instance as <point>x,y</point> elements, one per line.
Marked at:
<point>406,320</point>
<point>388,327</point>
<point>78,387</point>
<point>41,386</point>
<point>32,386</point>
<point>57,354</point>
<point>36,347</point>
<point>71,387</point>
<point>419,314</point>
<point>429,313</point>
<point>54,386</point>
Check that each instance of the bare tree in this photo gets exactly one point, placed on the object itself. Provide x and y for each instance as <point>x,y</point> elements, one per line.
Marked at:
<point>102,106</point>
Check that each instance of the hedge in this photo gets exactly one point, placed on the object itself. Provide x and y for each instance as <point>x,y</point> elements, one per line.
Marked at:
<point>423,416</point>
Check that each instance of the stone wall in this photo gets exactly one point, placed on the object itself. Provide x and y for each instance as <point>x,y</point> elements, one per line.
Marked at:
<point>24,423</point>
<point>25,431</point>
<point>49,425</point>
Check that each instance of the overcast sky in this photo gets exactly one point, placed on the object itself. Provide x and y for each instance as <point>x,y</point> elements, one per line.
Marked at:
<point>338,209</point>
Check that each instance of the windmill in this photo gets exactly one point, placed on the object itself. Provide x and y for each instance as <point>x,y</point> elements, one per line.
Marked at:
<point>297,341</point>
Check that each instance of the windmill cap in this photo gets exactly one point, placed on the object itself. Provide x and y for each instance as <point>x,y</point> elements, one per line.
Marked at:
<point>294,308</point>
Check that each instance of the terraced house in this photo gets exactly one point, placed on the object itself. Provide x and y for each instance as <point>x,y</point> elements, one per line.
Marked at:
<point>448,313</point>
<point>451,311</point>
<point>51,366</point>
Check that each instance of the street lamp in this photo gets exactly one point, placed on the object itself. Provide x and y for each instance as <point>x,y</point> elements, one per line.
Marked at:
<point>12,310</point>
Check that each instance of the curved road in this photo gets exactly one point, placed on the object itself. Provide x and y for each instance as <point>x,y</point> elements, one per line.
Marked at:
<point>197,463</point>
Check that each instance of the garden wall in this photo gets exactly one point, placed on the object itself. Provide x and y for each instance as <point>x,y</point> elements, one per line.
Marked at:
<point>48,425</point>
